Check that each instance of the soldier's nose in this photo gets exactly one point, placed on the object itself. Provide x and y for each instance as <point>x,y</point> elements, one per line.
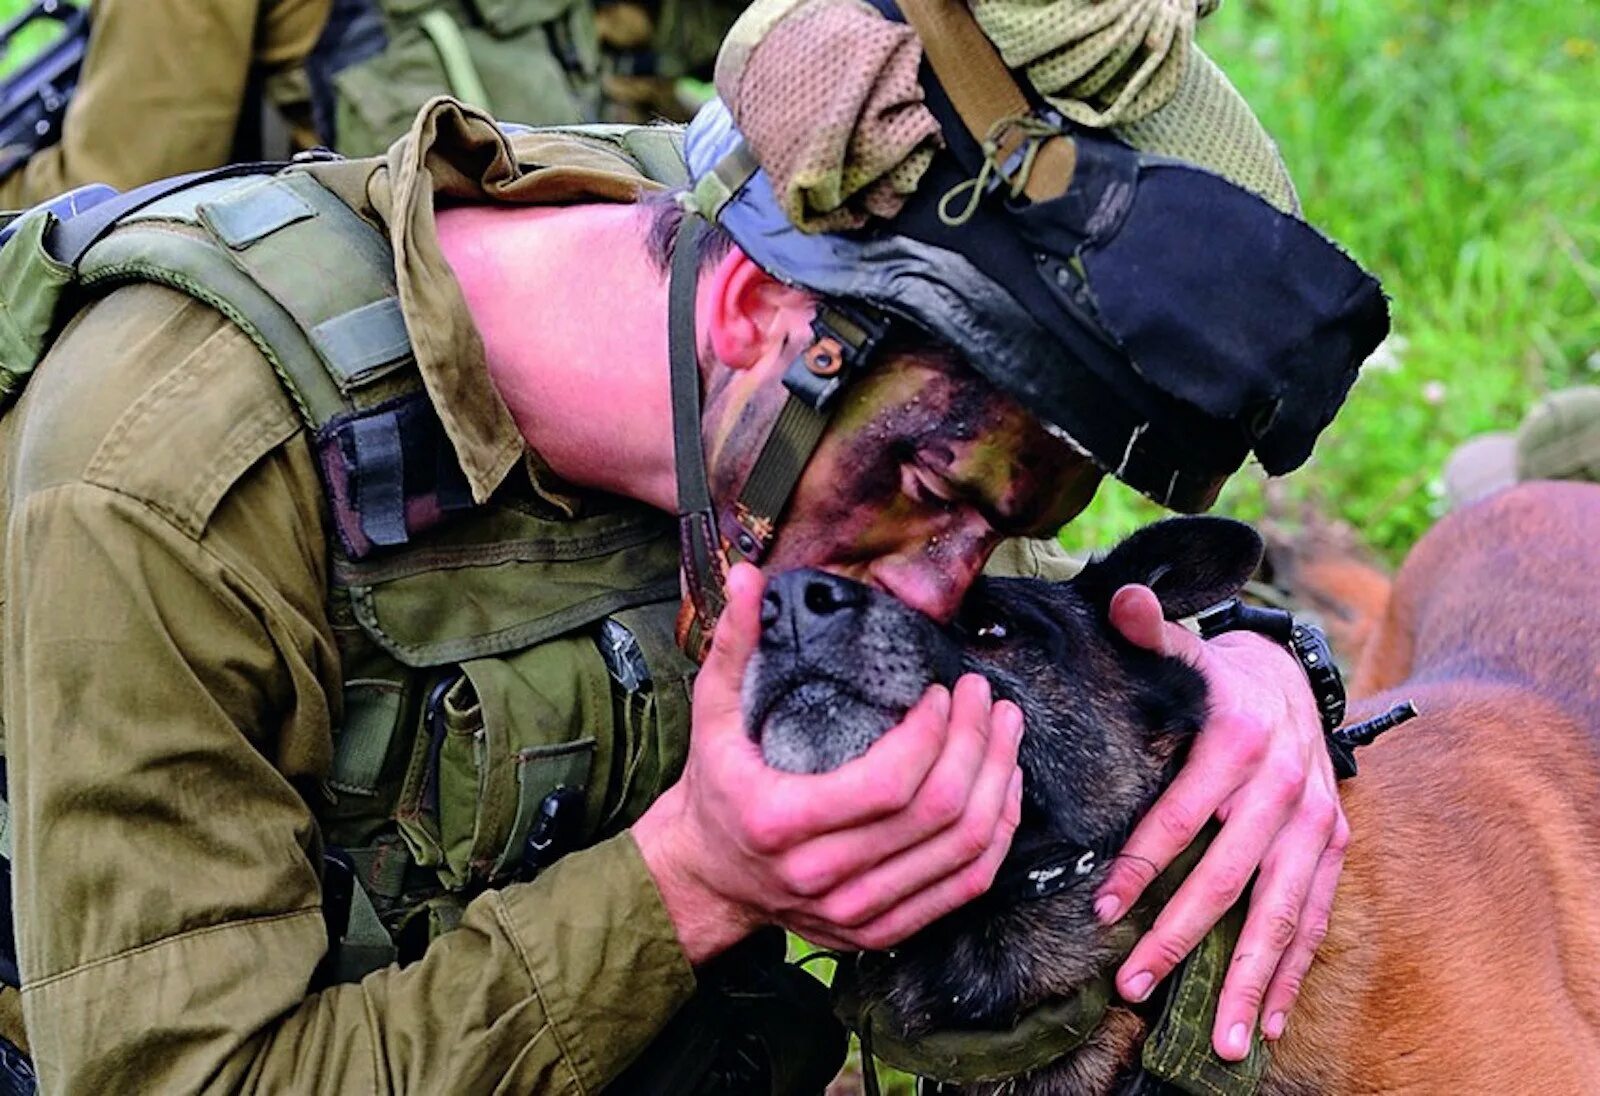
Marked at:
<point>801,605</point>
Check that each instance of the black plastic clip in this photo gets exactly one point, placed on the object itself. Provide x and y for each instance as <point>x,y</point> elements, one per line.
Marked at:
<point>553,831</point>
<point>338,893</point>
<point>844,338</point>
<point>1342,743</point>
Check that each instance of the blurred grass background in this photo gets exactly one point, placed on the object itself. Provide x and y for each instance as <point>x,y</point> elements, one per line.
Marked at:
<point>1453,147</point>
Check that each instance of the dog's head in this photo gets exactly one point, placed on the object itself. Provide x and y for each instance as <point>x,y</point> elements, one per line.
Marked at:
<point>839,664</point>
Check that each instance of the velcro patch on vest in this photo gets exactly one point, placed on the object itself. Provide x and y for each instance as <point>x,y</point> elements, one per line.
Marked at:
<point>391,473</point>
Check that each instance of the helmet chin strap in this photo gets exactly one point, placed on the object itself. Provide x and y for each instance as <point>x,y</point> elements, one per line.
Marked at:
<point>844,338</point>
<point>700,548</point>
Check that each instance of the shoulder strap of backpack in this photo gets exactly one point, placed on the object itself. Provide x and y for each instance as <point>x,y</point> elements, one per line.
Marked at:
<point>254,247</point>
<point>312,284</point>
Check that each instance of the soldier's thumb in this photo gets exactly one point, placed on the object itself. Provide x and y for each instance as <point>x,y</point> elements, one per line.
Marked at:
<point>734,641</point>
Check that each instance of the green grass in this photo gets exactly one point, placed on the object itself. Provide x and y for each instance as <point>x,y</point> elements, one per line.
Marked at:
<point>1451,146</point>
<point>35,36</point>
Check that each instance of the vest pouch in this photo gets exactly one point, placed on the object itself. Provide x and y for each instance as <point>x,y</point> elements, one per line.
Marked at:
<point>503,737</point>
<point>32,284</point>
<point>535,63</point>
<point>651,687</point>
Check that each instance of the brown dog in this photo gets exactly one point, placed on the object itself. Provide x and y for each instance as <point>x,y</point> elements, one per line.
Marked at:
<point>1464,949</point>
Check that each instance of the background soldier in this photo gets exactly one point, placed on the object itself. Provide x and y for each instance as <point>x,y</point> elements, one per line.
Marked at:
<point>171,86</point>
<point>164,89</point>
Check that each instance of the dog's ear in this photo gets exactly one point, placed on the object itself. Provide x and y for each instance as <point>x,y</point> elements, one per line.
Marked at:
<point>1191,563</point>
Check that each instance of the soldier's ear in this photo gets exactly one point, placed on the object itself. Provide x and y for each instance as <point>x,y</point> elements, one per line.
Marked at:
<point>1191,563</point>
<point>746,312</point>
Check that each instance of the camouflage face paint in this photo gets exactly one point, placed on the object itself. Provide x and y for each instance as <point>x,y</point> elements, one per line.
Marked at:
<point>922,471</point>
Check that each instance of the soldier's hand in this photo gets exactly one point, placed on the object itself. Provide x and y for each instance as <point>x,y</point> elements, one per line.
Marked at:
<point>861,857</point>
<point>1259,766</point>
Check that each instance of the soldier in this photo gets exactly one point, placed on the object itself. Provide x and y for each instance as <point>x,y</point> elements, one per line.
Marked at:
<point>1558,438</point>
<point>164,89</point>
<point>339,550</point>
<point>169,86</point>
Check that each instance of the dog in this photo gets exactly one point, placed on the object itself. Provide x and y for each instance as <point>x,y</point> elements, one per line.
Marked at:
<point>1463,952</point>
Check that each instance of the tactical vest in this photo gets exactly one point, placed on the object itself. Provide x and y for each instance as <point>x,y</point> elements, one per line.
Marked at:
<point>512,690</point>
<point>530,61</point>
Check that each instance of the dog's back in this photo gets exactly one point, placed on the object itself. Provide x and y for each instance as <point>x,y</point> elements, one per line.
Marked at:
<point>1464,952</point>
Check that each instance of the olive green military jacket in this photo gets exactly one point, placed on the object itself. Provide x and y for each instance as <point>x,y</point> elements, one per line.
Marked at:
<point>170,675</point>
<point>162,87</point>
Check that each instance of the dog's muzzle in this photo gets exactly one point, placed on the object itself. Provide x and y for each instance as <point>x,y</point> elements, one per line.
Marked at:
<point>838,665</point>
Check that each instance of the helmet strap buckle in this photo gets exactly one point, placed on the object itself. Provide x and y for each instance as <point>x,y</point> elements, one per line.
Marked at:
<point>844,339</point>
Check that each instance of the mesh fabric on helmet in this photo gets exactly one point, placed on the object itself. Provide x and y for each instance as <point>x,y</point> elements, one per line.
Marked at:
<point>1208,123</point>
<point>829,99</point>
<point>1100,63</point>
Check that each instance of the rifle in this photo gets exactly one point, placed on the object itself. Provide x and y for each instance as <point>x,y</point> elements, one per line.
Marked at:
<point>34,97</point>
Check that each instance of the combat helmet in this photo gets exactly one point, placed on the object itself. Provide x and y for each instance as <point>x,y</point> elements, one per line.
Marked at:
<point>1104,233</point>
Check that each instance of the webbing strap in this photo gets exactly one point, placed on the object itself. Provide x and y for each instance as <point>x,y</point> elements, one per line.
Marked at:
<point>725,179</point>
<point>693,491</point>
<point>985,95</point>
<point>777,470</point>
<point>459,70</point>
<point>271,207</point>
<point>361,746</point>
<point>699,546</point>
<point>844,340</point>
<point>363,341</point>
<point>380,489</point>
<point>69,239</point>
<point>367,945</point>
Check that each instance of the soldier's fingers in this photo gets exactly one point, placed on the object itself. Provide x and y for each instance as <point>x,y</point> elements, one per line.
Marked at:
<point>1277,909</point>
<point>917,863</point>
<point>1136,613</point>
<point>939,802</point>
<point>1169,827</point>
<point>919,910</point>
<point>1313,927</point>
<point>783,809</point>
<point>1212,887</point>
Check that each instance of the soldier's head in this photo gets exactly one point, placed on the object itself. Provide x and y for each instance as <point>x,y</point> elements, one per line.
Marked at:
<point>924,466</point>
<point>947,312</point>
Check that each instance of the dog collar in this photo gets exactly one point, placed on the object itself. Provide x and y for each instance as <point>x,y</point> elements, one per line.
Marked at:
<point>1050,870</point>
<point>964,1056</point>
<point>1177,1052</point>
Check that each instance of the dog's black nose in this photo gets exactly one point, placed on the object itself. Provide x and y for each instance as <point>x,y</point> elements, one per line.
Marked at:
<point>800,604</point>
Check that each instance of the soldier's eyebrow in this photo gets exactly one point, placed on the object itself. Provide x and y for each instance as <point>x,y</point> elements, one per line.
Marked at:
<point>939,460</point>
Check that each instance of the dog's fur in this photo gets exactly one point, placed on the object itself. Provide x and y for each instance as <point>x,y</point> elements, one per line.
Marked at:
<point>1464,949</point>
